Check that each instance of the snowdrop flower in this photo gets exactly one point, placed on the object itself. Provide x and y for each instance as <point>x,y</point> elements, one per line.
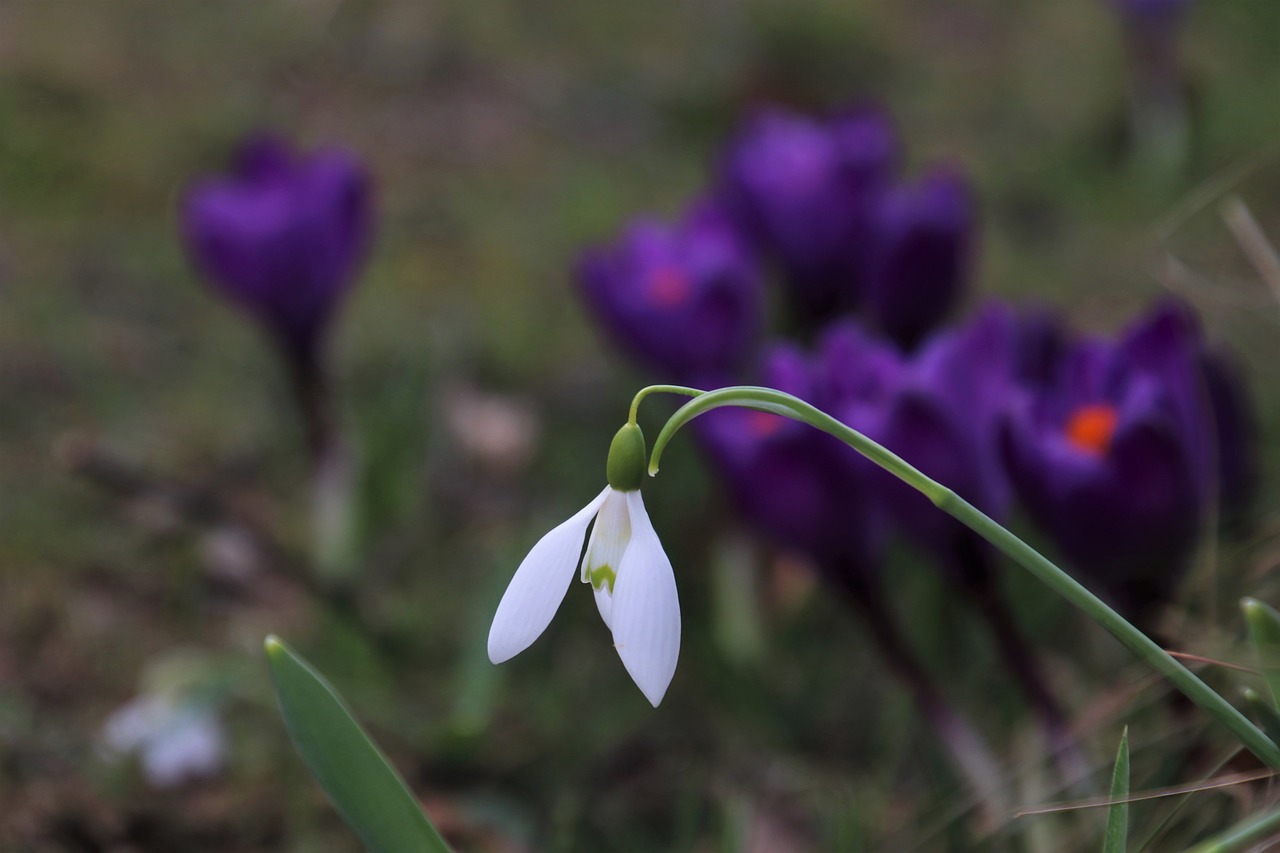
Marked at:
<point>634,585</point>
<point>175,742</point>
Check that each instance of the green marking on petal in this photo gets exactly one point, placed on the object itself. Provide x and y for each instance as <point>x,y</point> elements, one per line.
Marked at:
<point>602,575</point>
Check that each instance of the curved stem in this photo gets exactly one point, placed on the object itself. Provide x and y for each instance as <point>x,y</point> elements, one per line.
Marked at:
<point>659,389</point>
<point>777,402</point>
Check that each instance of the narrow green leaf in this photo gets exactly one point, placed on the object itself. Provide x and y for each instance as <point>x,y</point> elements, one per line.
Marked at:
<point>1264,629</point>
<point>1268,718</point>
<point>1243,836</point>
<point>1118,812</point>
<point>359,780</point>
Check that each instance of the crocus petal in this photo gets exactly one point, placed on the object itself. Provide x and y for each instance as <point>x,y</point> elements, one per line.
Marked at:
<point>646,609</point>
<point>539,585</point>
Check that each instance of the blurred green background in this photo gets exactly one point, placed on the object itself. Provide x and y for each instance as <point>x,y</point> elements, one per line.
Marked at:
<point>503,136</point>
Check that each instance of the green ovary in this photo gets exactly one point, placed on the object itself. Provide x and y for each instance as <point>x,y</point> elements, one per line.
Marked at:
<point>602,575</point>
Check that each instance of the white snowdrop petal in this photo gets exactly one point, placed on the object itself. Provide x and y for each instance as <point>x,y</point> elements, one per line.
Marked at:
<point>646,609</point>
<point>539,585</point>
<point>604,603</point>
<point>609,536</point>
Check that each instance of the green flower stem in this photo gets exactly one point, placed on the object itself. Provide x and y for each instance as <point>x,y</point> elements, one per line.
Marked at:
<point>660,389</point>
<point>777,402</point>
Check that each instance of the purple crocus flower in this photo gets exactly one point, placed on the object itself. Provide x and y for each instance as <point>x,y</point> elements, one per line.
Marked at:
<point>804,189</point>
<point>923,238</point>
<point>1123,455</point>
<point>683,299</point>
<point>938,410</point>
<point>282,236</point>
<point>793,484</point>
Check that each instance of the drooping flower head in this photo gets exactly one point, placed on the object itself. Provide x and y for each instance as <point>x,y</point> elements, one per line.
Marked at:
<point>804,189</point>
<point>683,299</point>
<point>633,582</point>
<point>282,236</point>
<point>923,249</point>
<point>1121,457</point>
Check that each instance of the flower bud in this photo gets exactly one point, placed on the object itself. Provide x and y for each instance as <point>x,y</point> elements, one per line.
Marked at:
<point>627,458</point>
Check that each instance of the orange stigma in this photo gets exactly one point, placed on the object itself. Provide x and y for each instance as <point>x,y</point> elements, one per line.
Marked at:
<point>1091,427</point>
<point>668,286</point>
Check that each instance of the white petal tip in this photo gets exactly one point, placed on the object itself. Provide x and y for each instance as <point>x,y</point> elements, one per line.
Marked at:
<point>646,609</point>
<point>652,685</point>
<point>539,585</point>
<point>653,678</point>
<point>501,648</point>
<point>655,692</point>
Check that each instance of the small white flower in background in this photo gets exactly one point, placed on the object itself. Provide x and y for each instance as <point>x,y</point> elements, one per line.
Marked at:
<point>175,742</point>
<point>635,587</point>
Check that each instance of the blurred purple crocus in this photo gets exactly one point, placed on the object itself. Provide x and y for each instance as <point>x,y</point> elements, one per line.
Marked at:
<point>923,238</point>
<point>1122,457</point>
<point>282,236</point>
<point>683,299</point>
<point>938,409</point>
<point>792,483</point>
<point>804,189</point>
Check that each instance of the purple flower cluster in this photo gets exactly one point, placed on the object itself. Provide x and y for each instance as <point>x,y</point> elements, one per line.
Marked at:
<point>931,407</point>
<point>1119,449</point>
<point>820,203</point>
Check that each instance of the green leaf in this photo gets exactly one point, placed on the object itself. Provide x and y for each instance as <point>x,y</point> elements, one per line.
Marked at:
<point>1118,812</point>
<point>1266,715</point>
<point>360,782</point>
<point>1243,836</point>
<point>1264,629</point>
